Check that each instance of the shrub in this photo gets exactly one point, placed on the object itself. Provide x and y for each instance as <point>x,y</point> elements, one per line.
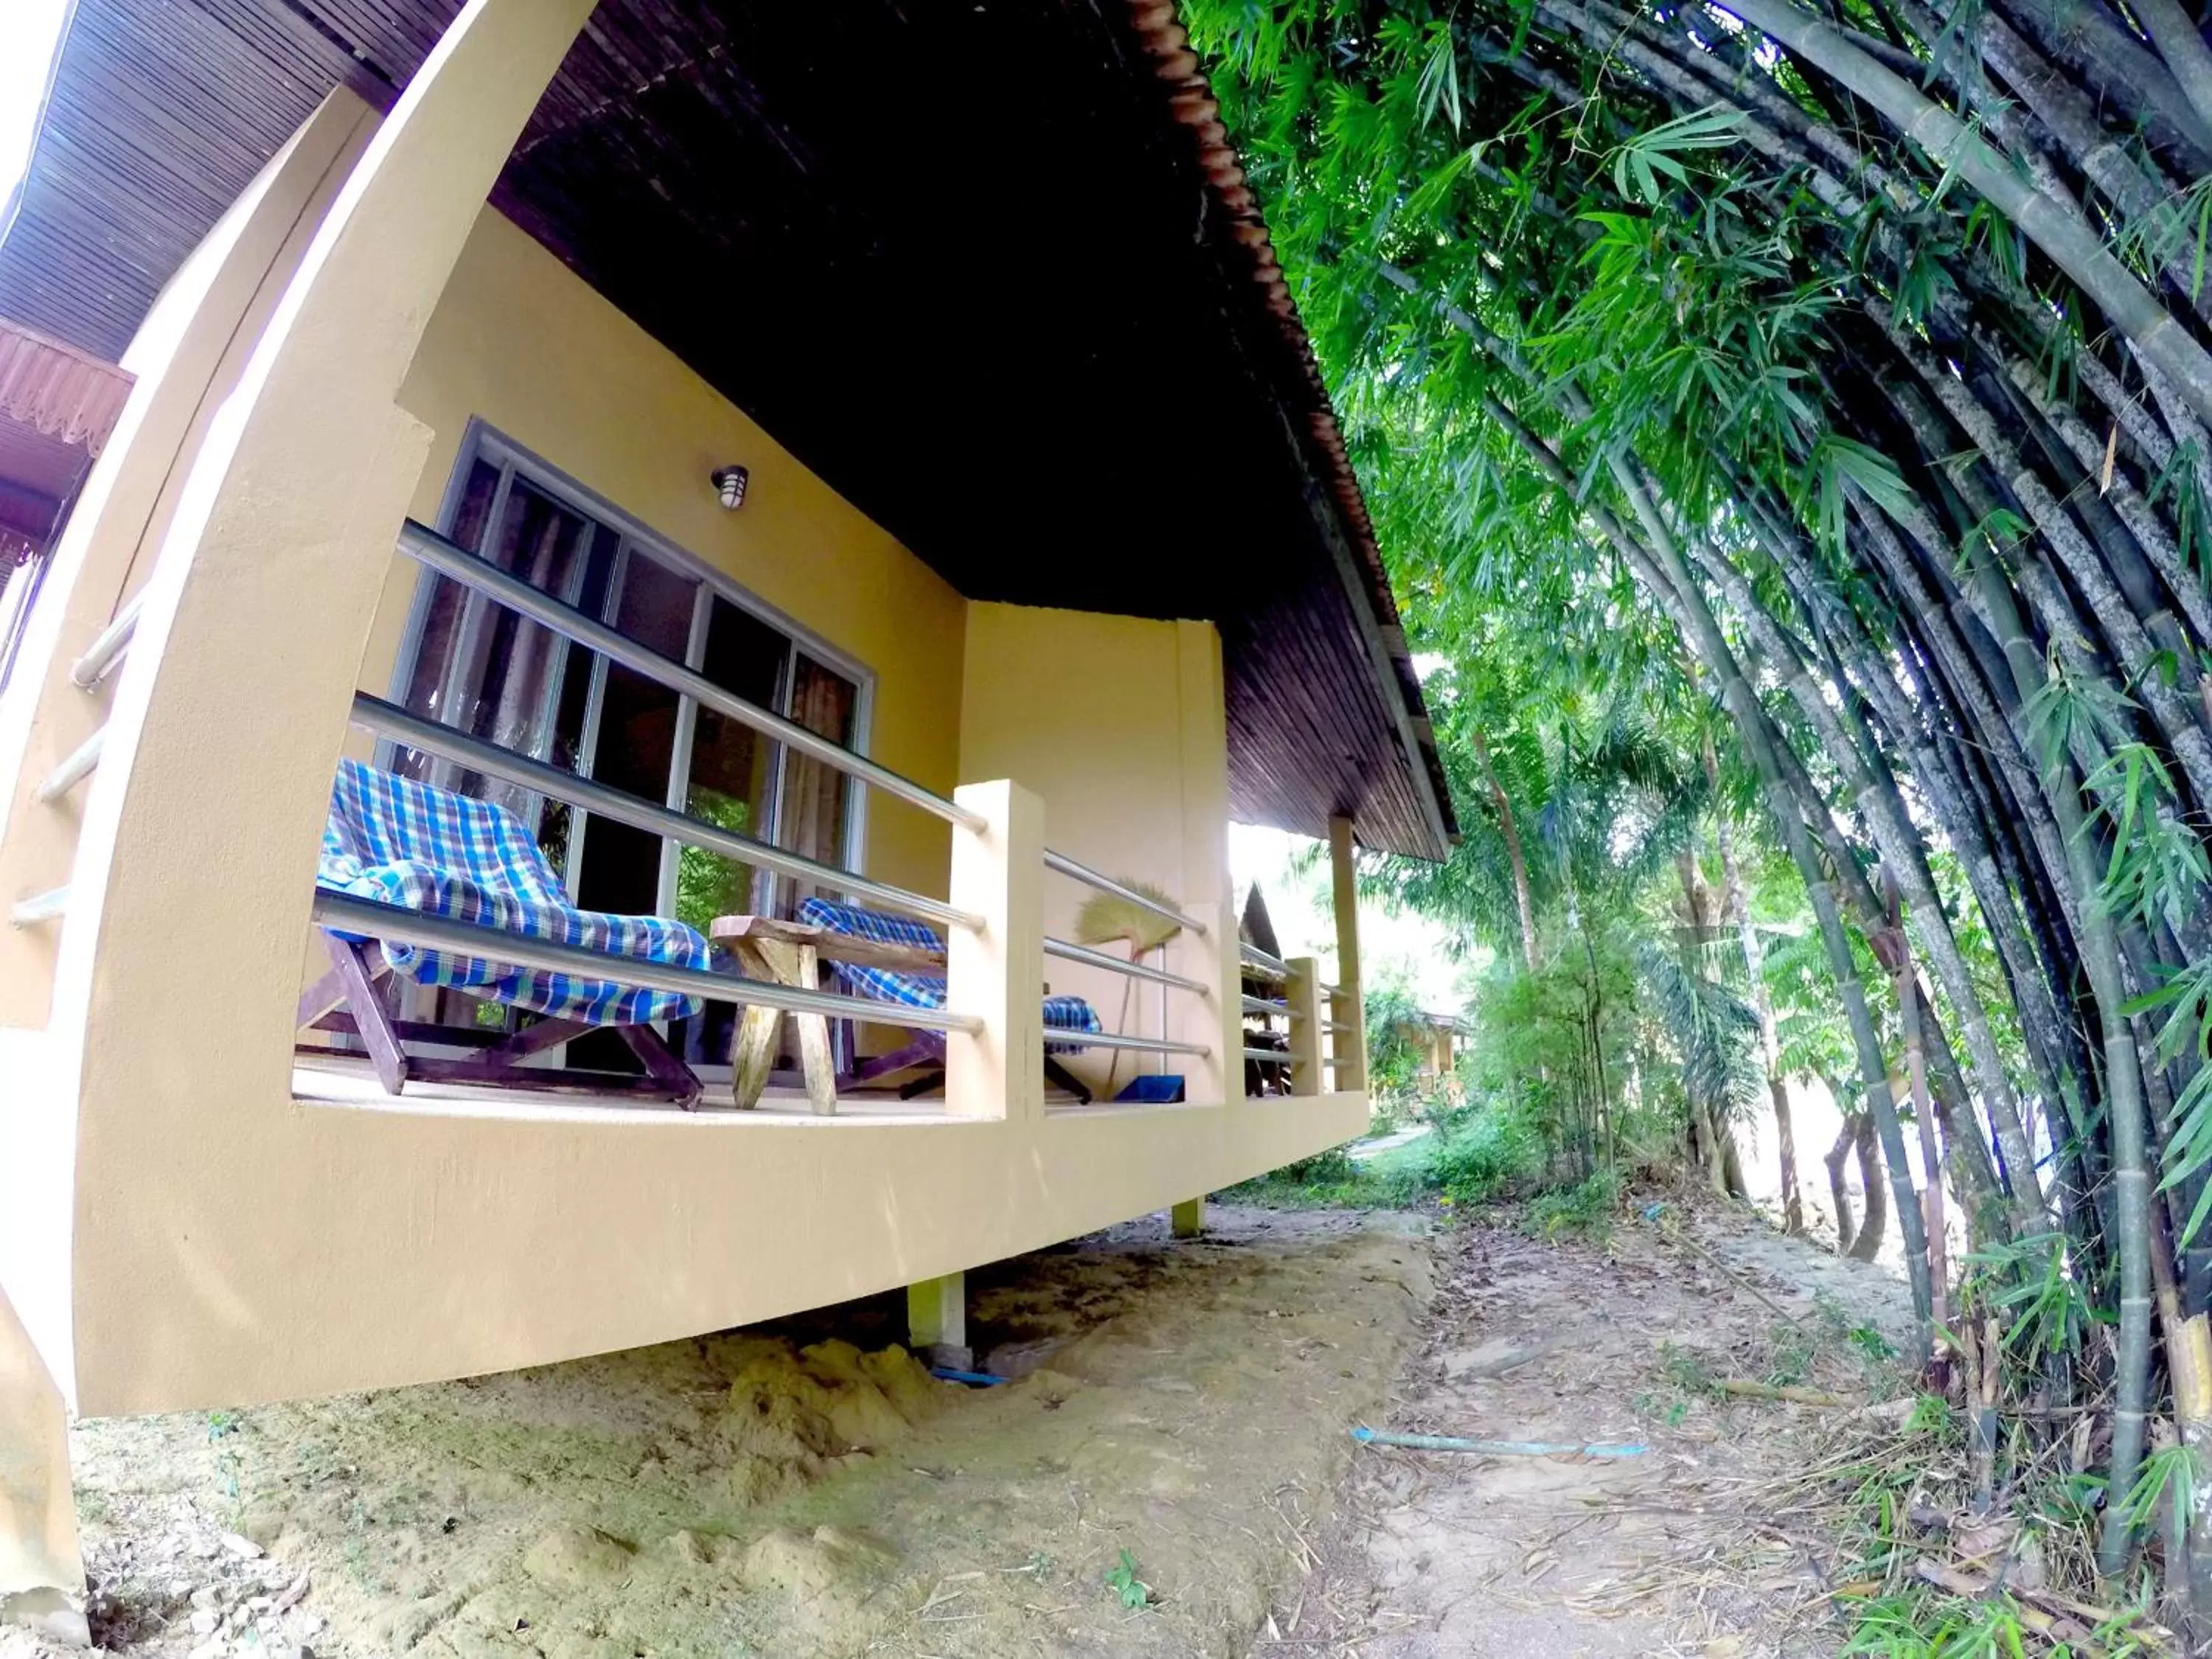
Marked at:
<point>1586,1207</point>
<point>1485,1153</point>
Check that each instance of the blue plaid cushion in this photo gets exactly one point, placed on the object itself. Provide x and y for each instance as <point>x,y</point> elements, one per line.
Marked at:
<point>1062,1013</point>
<point>879,926</point>
<point>398,841</point>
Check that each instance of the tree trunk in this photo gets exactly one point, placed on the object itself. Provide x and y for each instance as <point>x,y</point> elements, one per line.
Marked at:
<point>1754,962</point>
<point>1511,830</point>
<point>2071,246</point>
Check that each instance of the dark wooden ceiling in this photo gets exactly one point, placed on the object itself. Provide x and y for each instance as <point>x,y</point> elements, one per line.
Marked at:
<point>961,258</point>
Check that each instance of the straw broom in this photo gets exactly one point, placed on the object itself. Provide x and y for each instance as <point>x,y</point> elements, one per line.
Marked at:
<point>1106,919</point>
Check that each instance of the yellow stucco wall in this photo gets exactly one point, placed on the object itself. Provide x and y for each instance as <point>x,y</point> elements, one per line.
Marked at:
<point>518,341</point>
<point>1117,722</point>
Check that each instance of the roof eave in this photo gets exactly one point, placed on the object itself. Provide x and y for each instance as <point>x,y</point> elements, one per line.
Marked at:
<point>1359,555</point>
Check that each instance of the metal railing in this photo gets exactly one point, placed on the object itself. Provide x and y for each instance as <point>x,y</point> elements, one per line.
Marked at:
<point>1330,1031</point>
<point>73,769</point>
<point>388,719</point>
<point>1265,965</point>
<point>1116,1040</point>
<point>1129,967</point>
<point>1065,865</point>
<point>49,906</point>
<point>1089,958</point>
<point>108,646</point>
<point>457,564</point>
<point>345,913</point>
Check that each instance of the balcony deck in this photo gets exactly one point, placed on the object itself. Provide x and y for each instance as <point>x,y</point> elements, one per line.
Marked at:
<point>348,1081</point>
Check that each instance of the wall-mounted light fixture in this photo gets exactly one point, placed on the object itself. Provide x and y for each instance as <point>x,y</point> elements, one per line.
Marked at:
<point>729,483</point>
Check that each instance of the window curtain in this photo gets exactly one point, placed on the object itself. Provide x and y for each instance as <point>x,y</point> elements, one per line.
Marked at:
<point>812,819</point>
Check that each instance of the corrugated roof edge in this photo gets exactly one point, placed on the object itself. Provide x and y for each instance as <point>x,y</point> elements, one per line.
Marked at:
<point>1191,98</point>
<point>59,391</point>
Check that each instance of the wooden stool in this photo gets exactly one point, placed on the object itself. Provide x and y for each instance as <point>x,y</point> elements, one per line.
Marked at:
<point>792,953</point>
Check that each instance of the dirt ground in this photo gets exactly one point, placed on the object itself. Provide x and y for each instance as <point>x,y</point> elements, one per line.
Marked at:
<point>808,1490</point>
<point>802,1490</point>
<point>1677,1551</point>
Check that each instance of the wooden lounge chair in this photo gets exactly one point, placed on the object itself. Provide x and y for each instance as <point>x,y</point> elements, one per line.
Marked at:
<point>405,843</point>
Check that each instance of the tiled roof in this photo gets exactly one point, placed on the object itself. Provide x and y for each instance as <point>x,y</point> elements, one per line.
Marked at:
<point>57,390</point>
<point>1190,97</point>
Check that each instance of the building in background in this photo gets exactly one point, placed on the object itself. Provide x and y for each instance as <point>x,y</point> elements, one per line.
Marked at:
<point>58,408</point>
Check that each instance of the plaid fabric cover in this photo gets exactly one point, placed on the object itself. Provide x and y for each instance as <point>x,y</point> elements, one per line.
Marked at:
<point>398,841</point>
<point>879,926</point>
<point>1062,1013</point>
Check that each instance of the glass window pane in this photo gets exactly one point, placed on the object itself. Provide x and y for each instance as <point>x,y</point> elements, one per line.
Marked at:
<point>555,818</point>
<point>480,667</point>
<point>512,661</point>
<point>655,607</point>
<point>424,691</point>
<point>730,764</point>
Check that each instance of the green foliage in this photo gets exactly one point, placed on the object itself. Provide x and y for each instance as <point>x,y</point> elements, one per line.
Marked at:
<point>1487,1153</point>
<point>1400,1038</point>
<point>1586,1208</point>
<point>1645,334</point>
<point>2035,1283</point>
<point>1130,1590</point>
<point>708,884</point>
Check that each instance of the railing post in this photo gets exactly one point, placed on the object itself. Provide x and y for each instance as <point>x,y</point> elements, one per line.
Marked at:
<point>997,972</point>
<point>1217,1020</point>
<point>1301,990</point>
<point>1349,1002</point>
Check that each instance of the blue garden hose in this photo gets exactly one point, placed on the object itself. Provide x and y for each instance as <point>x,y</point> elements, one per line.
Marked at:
<point>1491,1448</point>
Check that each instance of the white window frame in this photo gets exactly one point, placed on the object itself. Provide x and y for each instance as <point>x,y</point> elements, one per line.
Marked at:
<point>483,442</point>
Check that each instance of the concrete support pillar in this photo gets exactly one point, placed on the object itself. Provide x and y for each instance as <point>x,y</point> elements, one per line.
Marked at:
<point>41,1567</point>
<point>937,1321</point>
<point>187,357</point>
<point>240,679</point>
<point>1351,1003</point>
<point>997,970</point>
<point>1187,1218</point>
<point>1302,992</point>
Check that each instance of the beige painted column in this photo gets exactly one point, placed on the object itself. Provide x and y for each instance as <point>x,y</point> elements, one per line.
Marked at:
<point>41,1569</point>
<point>997,972</point>
<point>186,358</point>
<point>201,825</point>
<point>937,1321</point>
<point>1351,1003</point>
<point>1308,1009</point>
<point>1216,1020</point>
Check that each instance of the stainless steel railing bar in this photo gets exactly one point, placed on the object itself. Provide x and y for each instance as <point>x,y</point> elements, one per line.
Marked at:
<point>108,646</point>
<point>426,547</point>
<point>388,719</point>
<point>1089,958</point>
<point>74,769</point>
<point>343,912</point>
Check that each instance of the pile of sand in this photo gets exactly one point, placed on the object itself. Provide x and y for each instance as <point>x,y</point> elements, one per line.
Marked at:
<point>774,1493</point>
